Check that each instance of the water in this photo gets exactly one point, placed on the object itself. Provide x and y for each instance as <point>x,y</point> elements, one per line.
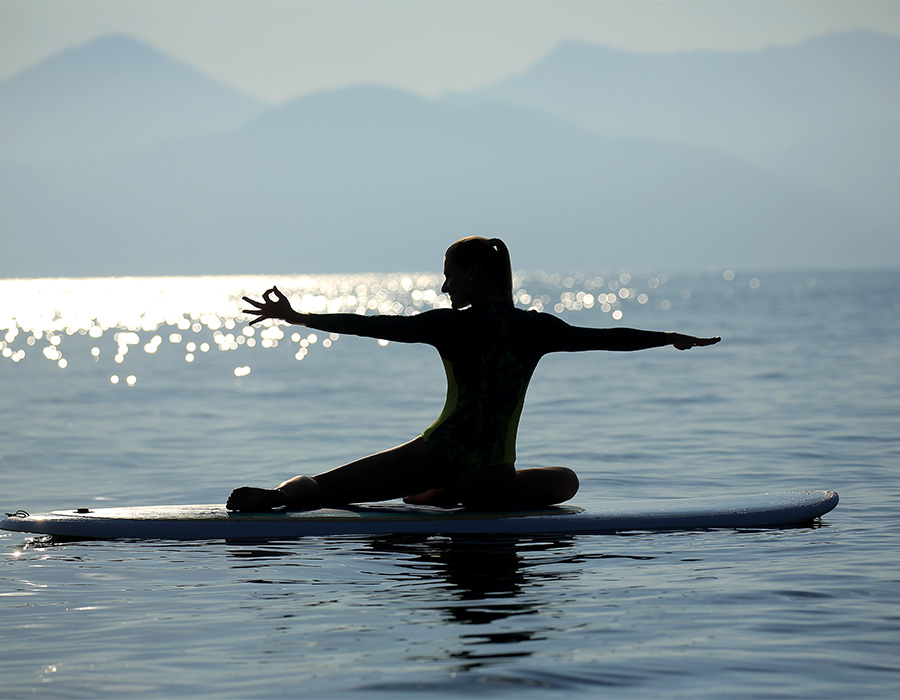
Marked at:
<point>801,393</point>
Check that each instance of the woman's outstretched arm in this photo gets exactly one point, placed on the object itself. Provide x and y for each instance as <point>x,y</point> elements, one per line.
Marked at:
<point>422,328</point>
<point>570,338</point>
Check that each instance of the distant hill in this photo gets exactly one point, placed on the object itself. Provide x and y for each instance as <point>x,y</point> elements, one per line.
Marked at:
<point>748,104</point>
<point>823,114</point>
<point>111,97</point>
<point>374,179</point>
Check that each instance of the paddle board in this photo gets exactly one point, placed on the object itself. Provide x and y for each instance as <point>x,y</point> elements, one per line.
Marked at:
<point>199,522</point>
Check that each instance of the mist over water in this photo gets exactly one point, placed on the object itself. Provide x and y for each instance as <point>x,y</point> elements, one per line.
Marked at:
<point>758,159</point>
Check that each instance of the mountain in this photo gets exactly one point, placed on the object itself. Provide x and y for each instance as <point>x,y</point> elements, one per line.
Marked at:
<point>748,104</point>
<point>374,179</point>
<point>111,97</point>
<point>862,168</point>
<point>824,114</point>
<point>370,178</point>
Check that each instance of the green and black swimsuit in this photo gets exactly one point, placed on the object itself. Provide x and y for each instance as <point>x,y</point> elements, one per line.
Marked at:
<point>489,353</point>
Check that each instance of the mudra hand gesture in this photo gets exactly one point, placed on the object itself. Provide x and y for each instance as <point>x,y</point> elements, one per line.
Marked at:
<point>274,305</point>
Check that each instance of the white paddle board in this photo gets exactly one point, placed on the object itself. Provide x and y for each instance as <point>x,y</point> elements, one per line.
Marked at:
<point>199,522</point>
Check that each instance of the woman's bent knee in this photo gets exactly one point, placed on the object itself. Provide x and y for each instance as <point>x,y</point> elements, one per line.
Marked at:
<point>567,484</point>
<point>546,485</point>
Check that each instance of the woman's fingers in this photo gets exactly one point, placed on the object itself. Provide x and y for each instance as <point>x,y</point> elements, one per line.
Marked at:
<point>268,307</point>
<point>688,342</point>
<point>277,293</point>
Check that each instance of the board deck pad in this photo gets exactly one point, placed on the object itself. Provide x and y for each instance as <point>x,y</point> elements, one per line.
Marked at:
<point>198,522</point>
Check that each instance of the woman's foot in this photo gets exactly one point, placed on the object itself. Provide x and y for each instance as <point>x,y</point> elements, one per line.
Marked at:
<point>252,498</point>
<point>432,497</point>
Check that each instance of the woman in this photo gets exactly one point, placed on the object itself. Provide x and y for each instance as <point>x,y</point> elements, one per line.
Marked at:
<point>490,350</point>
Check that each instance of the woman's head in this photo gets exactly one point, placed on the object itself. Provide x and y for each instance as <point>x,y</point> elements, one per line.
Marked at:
<point>478,269</point>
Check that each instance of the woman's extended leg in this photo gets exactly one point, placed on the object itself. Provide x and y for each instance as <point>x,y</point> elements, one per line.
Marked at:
<point>397,472</point>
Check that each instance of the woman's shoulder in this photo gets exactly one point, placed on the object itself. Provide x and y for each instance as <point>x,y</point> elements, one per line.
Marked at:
<point>484,312</point>
<point>537,318</point>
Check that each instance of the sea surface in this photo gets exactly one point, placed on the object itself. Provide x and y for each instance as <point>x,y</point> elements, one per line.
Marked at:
<point>118,392</point>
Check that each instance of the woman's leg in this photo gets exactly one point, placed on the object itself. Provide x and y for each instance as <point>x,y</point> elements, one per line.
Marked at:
<point>544,486</point>
<point>397,472</point>
<point>504,487</point>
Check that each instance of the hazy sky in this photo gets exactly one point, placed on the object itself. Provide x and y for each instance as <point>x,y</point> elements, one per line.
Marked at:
<point>282,49</point>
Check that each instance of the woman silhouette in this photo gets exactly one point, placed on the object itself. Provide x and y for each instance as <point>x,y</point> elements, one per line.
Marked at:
<point>489,349</point>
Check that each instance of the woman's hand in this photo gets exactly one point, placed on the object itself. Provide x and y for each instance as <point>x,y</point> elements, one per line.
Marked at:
<point>274,305</point>
<point>686,342</point>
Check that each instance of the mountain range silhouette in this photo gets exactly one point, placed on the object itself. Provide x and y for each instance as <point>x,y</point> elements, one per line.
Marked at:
<point>117,160</point>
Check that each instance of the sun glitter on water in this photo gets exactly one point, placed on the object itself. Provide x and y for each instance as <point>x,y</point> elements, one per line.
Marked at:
<point>200,315</point>
<point>144,313</point>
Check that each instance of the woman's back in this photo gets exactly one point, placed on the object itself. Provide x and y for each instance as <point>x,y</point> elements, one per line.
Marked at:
<point>489,354</point>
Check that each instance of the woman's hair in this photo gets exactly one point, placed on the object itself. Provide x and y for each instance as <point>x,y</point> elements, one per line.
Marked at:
<point>491,256</point>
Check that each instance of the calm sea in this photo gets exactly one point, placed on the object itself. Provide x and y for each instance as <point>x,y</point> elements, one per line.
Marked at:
<point>147,391</point>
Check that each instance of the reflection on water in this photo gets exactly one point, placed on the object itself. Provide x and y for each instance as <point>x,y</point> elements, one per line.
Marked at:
<point>202,314</point>
<point>489,590</point>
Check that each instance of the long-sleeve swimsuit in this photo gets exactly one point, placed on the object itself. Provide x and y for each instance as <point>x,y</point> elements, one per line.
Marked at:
<point>489,352</point>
